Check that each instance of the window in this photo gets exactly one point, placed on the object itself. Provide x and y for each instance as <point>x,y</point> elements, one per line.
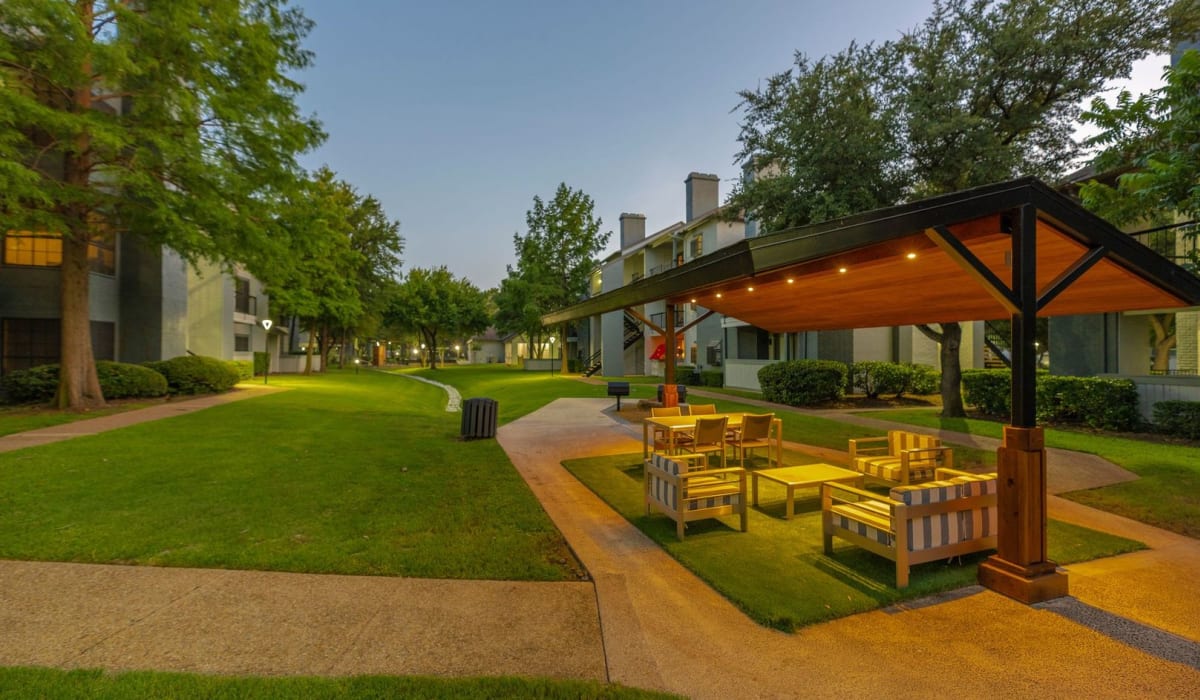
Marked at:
<point>34,249</point>
<point>696,246</point>
<point>241,337</point>
<point>243,303</point>
<point>45,249</point>
<point>28,342</point>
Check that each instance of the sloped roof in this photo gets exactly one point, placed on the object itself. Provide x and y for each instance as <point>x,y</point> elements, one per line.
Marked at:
<point>857,272</point>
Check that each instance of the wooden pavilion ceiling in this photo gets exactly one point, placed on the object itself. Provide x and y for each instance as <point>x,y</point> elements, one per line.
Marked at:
<point>886,268</point>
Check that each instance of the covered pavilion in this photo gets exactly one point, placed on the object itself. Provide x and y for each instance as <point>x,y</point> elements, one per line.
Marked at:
<point>1015,250</point>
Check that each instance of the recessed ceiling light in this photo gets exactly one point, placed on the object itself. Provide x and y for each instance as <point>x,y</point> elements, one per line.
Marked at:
<point>693,301</point>
<point>718,295</point>
<point>749,289</point>
<point>790,280</point>
<point>842,270</point>
<point>911,256</point>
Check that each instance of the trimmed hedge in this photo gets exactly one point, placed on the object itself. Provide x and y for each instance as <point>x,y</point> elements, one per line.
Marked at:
<point>1181,418</point>
<point>260,363</point>
<point>244,368</point>
<point>803,382</point>
<point>118,380</point>
<point>33,385</point>
<point>1106,404</point>
<point>712,377</point>
<point>876,377</point>
<point>195,374</point>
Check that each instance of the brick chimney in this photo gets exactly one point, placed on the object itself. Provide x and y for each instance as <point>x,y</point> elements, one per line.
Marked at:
<point>633,229</point>
<point>702,194</point>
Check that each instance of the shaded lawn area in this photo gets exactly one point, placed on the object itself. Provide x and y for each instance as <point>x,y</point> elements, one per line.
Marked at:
<point>1166,494</point>
<point>777,571</point>
<point>53,683</point>
<point>344,473</point>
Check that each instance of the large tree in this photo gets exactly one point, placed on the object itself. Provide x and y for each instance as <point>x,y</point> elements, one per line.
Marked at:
<point>174,122</point>
<point>555,259</point>
<point>435,304</point>
<point>1150,142</point>
<point>982,91</point>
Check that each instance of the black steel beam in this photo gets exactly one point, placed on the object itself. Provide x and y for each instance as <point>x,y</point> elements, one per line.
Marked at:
<point>1068,276</point>
<point>1024,322</point>
<point>959,253</point>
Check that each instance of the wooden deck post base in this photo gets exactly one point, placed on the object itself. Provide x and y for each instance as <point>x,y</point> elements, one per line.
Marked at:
<point>1020,568</point>
<point>670,395</point>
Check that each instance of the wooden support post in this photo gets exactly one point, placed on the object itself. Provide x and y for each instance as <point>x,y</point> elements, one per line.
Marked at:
<point>670,393</point>
<point>1020,568</point>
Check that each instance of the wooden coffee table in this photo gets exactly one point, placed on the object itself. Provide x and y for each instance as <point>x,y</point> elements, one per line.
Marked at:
<point>804,476</point>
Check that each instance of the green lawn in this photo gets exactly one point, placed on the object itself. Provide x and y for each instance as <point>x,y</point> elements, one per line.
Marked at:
<point>1166,494</point>
<point>778,573</point>
<point>18,419</point>
<point>344,473</point>
<point>53,683</point>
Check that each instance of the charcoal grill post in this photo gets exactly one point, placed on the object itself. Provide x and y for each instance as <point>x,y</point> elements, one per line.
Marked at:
<point>618,389</point>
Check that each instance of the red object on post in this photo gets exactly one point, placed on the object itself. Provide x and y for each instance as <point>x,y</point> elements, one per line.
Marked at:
<point>670,395</point>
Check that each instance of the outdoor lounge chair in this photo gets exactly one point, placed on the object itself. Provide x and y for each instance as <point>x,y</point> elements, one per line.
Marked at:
<point>902,457</point>
<point>684,493</point>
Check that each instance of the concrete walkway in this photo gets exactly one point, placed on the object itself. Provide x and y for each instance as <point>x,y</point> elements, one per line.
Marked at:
<point>1131,628</point>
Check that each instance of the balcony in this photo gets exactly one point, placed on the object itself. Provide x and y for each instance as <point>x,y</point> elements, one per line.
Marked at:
<point>660,318</point>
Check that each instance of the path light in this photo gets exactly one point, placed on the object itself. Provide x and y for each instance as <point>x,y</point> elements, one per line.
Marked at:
<point>266,324</point>
<point>552,356</point>
<point>356,363</point>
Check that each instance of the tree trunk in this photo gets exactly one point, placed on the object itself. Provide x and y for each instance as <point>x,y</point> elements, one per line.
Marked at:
<point>952,403</point>
<point>308,350</point>
<point>326,346</point>
<point>433,358</point>
<point>78,385</point>
<point>1164,340</point>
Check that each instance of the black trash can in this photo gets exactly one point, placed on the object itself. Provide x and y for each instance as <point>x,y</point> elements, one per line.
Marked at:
<point>478,419</point>
<point>680,389</point>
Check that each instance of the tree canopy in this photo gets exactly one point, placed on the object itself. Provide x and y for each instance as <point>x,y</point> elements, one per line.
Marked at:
<point>982,91</point>
<point>555,260</point>
<point>434,304</point>
<point>173,122</point>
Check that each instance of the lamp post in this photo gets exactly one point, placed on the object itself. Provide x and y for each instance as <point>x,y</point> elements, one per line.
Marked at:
<point>266,324</point>
<point>422,354</point>
<point>551,356</point>
<point>457,354</point>
<point>356,361</point>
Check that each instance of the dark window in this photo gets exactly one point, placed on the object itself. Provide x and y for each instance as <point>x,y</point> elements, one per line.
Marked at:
<point>241,343</point>
<point>243,303</point>
<point>29,342</point>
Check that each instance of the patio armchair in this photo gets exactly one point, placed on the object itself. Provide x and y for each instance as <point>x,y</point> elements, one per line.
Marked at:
<point>902,457</point>
<point>709,437</point>
<point>676,487</point>
<point>754,433</point>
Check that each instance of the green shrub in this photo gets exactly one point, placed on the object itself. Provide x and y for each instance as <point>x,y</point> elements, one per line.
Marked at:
<point>875,377</point>
<point>712,377</point>
<point>924,380</point>
<point>36,384</point>
<point>1105,404</point>
<point>260,363</point>
<point>988,390</point>
<point>1181,418</point>
<point>686,374</point>
<point>120,380</point>
<point>244,368</point>
<point>194,374</point>
<point>803,382</point>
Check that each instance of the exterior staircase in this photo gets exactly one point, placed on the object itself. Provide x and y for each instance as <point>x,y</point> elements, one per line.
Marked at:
<point>633,333</point>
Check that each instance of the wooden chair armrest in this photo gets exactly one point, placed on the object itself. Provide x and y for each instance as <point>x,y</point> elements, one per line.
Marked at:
<point>713,472</point>
<point>946,473</point>
<point>918,451</point>
<point>840,492</point>
<point>860,441</point>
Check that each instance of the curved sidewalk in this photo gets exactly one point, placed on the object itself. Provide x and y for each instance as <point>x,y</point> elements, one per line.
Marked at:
<point>666,629</point>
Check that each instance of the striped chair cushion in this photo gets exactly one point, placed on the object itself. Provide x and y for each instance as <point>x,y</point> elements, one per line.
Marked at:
<point>904,440</point>
<point>932,492</point>
<point>978,522</point>
<point>889,468</point>
<point>665,463</point>
<point>714,502</point>
<point>662,490</point>
<point>869,519</point>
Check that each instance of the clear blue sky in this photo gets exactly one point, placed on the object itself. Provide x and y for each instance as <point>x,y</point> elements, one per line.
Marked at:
<point>455,114</point>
